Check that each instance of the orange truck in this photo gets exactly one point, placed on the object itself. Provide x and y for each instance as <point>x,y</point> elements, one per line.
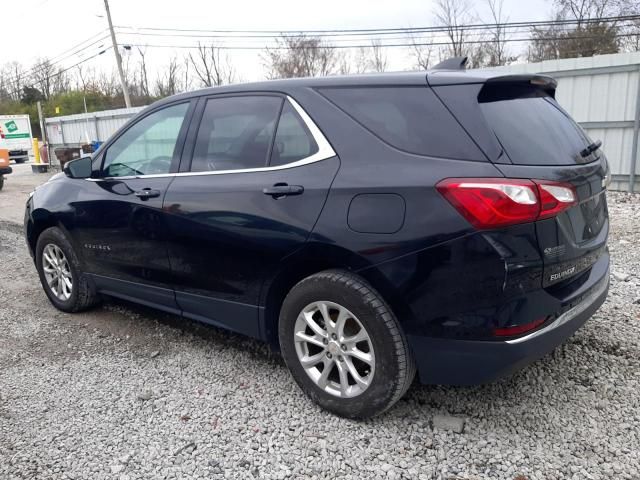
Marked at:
<point>4,166</point>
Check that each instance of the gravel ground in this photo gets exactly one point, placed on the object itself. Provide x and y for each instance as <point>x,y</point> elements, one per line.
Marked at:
<point>122,392</point>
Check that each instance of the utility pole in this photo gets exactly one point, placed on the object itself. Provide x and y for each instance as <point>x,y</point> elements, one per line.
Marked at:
<point>125,90</point>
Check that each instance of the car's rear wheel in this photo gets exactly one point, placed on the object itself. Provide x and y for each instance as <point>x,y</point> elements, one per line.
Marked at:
<point>343,345</point>
<point>1,182</point>
<point>61,275</point>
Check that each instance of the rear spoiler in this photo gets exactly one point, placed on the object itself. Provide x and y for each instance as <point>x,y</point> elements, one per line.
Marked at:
<point>542,81</point>
<point>439,77</point>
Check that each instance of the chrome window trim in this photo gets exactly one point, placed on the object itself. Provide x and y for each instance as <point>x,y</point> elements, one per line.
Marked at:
<point>324,151</point>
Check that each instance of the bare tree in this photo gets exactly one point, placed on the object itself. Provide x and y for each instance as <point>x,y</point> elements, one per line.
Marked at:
<point>167,83</point>
<point>454,16</point>
<point>371,59</point>
<point>81,78</point>
<point>15,78</point>
<point>61,82</point>
<point>301,56</point>
<point>497,47</point>
<point>590,35</point>
<point>144,76</point>
<point>345,64</point>
<point>360,62</point>
<point>42,76</point>
<point>378,58</point>
<point>108,84</point>
<point>211,67</point>
<point>422,51</point>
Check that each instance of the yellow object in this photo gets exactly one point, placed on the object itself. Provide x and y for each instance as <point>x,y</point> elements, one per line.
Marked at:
<point>4,157</point>
<point>36,149</point>
<point>57,110</point>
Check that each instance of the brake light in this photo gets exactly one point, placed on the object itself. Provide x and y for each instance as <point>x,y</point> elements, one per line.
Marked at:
<point>498,202</point>
<point>518,329</point>
<point>555,197</point>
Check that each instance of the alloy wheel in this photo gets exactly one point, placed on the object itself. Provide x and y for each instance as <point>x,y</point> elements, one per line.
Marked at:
<point>57,272</point>
<point>334,349</point>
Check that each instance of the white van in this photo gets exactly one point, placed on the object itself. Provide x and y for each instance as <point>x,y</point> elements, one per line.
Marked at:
<point>15,136</point>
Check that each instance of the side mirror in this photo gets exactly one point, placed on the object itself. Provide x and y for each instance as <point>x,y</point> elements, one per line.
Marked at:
<point>79,168</point>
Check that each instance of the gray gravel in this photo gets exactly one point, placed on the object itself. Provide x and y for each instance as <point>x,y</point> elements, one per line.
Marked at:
<point>123,392</point>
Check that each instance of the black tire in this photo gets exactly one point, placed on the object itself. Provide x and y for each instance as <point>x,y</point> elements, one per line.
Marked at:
<point>1,182</point>
<point>20,160</point>
<point>394,365</point>
<point>83,294</point>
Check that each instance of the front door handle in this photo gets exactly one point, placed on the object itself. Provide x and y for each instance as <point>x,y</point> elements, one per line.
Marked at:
<point>280,190</point>
<point>147,193</point>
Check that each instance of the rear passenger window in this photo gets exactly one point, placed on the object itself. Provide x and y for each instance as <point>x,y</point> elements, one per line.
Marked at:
<point>409,118</point>
<point>293,140</point>
<point>235,133</point>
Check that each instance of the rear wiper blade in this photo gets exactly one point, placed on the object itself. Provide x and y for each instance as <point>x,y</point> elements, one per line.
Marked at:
<point>591,148</point>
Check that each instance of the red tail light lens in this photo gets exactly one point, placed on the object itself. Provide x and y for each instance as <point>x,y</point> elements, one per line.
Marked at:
<point>555,197</point>
<point>498,202</point>
<point>518,329</point>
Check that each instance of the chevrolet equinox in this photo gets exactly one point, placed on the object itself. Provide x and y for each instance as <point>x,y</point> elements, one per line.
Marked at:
<point>448,222</point>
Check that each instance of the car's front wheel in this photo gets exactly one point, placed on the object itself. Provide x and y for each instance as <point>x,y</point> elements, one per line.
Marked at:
<point>61,275</point>
<point>343,345</point>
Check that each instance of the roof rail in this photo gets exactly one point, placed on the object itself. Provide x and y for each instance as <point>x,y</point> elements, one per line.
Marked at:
<point>454,63</point>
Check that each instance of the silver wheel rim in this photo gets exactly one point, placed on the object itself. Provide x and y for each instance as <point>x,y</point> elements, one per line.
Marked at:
<point>334,349</point>
<point>57,272</point>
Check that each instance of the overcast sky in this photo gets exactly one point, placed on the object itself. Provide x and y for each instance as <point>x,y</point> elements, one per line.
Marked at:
<point>47,28</point>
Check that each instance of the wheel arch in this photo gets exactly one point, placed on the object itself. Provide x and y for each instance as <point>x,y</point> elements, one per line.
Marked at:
<point>37,222</point>
<point>311,259</point>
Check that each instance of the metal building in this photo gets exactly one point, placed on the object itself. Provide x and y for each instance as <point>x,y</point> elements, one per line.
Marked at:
<point>83,128</point>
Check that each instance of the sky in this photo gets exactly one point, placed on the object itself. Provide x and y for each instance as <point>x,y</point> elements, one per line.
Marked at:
<point>47,28</point>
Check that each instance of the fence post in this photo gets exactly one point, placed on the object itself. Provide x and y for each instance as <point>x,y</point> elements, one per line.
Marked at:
<point>634,145</point>
<point>36,150</point>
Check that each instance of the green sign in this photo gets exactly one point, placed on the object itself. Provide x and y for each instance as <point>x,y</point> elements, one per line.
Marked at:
<point>11,126</point>
<point>17,135</point>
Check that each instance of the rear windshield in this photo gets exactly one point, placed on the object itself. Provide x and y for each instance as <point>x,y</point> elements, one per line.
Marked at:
<point>532,127</point>
<point>409,118</point>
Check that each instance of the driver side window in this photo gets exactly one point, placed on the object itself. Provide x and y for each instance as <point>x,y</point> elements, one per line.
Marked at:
<point>147,148</point>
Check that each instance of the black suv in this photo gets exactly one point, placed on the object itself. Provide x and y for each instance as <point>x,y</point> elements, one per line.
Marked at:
<point>453,222</point>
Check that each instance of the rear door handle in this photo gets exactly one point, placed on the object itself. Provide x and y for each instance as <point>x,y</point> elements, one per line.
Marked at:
<point>282,190</point>
<point>147,193</point>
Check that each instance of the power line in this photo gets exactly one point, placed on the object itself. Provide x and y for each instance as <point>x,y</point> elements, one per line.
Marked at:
<point>344,43</point>
<point>338,38</point>
<point>41,67</point>
<point>60,72</point>
<point>344,32</point>
<point>388,45</point>
<point>333,39</point>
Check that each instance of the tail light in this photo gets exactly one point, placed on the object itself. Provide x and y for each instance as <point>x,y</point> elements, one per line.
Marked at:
<point>518,329</point>
<point>498,202</point>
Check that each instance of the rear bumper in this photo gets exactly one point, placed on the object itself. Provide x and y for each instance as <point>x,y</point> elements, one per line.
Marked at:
<point>5,170</point>
<point>467,362</point>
